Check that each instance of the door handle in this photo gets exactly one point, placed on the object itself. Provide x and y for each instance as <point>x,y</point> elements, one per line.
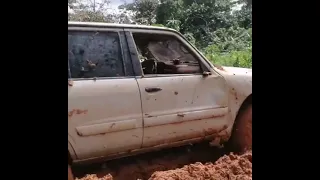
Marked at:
<point>152,89</point>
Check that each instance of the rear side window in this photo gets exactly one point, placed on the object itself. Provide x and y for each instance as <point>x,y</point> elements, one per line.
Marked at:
<point>94,54</point>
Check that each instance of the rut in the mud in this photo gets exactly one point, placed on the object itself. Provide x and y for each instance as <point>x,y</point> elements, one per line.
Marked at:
<point>146,165</point>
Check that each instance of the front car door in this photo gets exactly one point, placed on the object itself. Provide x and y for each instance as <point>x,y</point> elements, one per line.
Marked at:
<point>104,107</point>
<point>179,104</point>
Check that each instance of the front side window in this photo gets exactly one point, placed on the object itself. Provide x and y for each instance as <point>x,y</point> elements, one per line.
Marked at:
<point>163,54</point>
<point>94,54</point>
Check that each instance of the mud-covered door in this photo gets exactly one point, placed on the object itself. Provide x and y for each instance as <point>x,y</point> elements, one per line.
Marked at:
<point>179,102</point>
<point>104,107</point>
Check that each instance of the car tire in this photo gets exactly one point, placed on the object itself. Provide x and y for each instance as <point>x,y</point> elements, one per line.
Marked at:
<point>70,175</point>
<point>241,138</point>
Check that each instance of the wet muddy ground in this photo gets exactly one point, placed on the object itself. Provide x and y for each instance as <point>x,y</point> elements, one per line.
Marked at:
<point>198,161</point>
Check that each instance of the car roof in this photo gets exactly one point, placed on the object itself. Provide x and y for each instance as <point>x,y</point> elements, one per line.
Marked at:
<point>114,25</point>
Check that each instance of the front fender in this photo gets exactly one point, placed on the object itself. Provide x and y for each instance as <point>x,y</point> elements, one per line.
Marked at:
<point>239,82</point>
<point>71,149</point>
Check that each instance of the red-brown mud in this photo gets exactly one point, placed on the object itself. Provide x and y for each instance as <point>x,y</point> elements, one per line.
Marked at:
<point>184,163</point>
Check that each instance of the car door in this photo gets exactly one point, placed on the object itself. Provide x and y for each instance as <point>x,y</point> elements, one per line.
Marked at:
<point>181,106</point>
<point>104,107</point>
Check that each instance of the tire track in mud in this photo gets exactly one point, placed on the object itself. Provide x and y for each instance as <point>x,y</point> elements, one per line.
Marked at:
<point>142,166</point>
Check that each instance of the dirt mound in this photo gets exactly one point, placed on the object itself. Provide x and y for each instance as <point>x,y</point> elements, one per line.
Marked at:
<point>231,167</point>
<point>228,167</point>
<point>94,177</point>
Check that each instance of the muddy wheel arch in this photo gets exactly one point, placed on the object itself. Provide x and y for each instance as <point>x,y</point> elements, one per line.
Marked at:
<point>71,153</point>
<point>244,105</point>
<point>247,102</point>
<point>244,111</point>
<point>69,158</point>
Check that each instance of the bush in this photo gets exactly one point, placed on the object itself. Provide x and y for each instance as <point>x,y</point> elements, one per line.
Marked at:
<point>241,58</point>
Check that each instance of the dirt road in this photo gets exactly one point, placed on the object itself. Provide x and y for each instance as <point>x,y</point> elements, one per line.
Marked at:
<point>195,162</point>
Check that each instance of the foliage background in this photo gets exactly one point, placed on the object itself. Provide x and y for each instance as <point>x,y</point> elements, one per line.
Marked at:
<point>221,29</point>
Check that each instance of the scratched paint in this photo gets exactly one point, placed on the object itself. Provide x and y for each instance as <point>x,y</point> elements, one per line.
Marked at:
<point>76,111</point>
<point>103,128</point>
<point>70,83</point>
<point>194,115</point>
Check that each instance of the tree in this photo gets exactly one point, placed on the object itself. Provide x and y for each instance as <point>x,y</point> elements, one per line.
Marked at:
<point>87,10</point>
<point>169,10</point>
<point>144,10</point>
<point>222,32</point>
<point>244,16</point>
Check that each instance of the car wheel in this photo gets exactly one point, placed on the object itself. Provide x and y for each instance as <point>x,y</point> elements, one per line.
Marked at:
<point>241,138</point>
<point>70,175</point>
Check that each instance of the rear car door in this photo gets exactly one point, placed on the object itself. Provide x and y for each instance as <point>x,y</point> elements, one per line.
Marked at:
<point>179,103</point>
<point>104,107</point>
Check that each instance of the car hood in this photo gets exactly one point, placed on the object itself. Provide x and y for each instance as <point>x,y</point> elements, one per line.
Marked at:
<point>238,70</point>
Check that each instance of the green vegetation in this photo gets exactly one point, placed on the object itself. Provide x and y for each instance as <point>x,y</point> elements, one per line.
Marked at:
<point>220,31</point>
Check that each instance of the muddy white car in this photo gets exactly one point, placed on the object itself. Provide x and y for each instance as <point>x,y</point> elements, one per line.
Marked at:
<point>133,89</point>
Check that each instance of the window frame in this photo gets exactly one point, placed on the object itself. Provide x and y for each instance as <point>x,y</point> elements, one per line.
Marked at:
<point>125,56</point>
<point>204,65</point>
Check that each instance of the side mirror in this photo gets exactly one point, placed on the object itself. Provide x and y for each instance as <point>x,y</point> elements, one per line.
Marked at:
<point>206,73</point>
